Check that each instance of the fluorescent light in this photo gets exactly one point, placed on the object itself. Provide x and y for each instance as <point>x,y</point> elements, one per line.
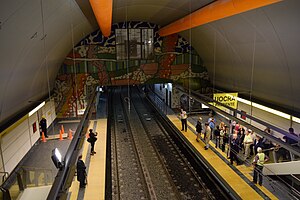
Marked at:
<point>57,158</point>
<point>36,108</point>
<point>265,108</point>
<point>296,119</point>
<point>57,154</point>
<point>270,110</point>
<point>244,101</point>
<point>204,106</point>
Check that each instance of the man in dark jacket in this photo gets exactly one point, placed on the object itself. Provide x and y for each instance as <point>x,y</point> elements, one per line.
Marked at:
<point>43,126</point>
<point>199,129</point>
<point>81,173</point>
<point>234,149</point>
<point>92,140</point>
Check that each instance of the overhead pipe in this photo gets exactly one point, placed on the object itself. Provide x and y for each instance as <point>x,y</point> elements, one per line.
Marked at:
<point>103,12</point>
<point>212,12</point>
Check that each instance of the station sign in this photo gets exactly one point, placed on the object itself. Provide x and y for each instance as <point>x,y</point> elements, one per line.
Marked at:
<point>228,99</point>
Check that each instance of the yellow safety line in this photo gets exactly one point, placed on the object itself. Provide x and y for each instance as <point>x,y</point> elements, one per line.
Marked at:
<point>95,189</point>
<point>75,184</point>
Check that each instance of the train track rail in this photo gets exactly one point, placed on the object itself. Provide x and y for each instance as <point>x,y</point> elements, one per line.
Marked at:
<point>146,162</point>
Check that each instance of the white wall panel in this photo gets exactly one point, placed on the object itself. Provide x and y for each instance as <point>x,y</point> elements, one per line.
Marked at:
<point>16,143</point>
<point>268,117</point>
<point>16,158</point>
<point>9,138</point>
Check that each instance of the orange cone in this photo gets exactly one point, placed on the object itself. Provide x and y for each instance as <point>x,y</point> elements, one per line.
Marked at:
<point>70,134</point>
<point>43,137</point>
<point>60,135</point>
<point>62,129</point>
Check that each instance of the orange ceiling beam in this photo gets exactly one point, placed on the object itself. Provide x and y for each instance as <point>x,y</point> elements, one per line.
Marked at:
<point>103,13</point>
<point>212,12</point>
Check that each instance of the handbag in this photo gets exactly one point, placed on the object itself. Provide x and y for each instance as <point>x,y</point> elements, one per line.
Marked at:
<point>89,140</point>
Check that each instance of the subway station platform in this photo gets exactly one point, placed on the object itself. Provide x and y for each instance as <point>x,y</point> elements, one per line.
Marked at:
<point>239,178</point>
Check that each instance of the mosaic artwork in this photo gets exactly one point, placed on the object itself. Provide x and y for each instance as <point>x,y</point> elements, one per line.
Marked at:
<point>94,62</point>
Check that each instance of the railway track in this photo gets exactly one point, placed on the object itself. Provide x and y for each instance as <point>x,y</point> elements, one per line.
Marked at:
<point>146,162</point>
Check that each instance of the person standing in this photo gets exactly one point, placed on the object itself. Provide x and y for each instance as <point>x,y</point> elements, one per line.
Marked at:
<point>267,144</point>
<point>223,138</point>
<point>258,142</point>
<point>183,118</point>
<point>217,136</point>
<point>43,126</point>
<point>92,140</point>
<point>289,138</point>
<point>207,135</point>
<point>199,129</point>
<point>258,163</point>
<point>234,149</point>
<point>247,142</point>
<point>81,173</point>
<point>211,123</point>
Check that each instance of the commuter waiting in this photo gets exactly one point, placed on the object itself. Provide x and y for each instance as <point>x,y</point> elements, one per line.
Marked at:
<point>217,136</point>
<point>207,135</point>
<point>247,143</point>
<point>258,142</point>
<point>211,123</point>
<point>290,140</point>
<point>267,144</point>
<point>258,163</point>
<point>81,173</point>
<point>92,139</point>
<point>199,129</point>
<point>234,149</point>
<point>183,118</point>
<point>223,137</point>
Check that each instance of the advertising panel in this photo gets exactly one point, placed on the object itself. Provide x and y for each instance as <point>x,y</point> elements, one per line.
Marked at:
<point>229,99</point>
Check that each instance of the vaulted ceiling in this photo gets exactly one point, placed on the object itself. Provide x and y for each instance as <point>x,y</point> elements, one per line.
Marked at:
<point>256,52</point>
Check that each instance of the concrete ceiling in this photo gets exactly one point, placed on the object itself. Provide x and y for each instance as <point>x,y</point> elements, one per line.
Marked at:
<point>37,35</point>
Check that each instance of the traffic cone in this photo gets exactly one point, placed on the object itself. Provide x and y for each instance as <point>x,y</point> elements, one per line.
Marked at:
<point>70,134</point>
<point>62,129</point>
<point>43,137</point>
<point>60,135</point>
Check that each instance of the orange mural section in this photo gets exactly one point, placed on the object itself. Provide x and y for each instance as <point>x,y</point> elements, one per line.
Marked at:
<point>73,97</point>
<point>178,69</point>
<point>212,12</point>
<point>150,68</point>
<point>166,61</point>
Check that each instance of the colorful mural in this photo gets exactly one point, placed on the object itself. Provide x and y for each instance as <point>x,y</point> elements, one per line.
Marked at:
<point>93,61</point>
